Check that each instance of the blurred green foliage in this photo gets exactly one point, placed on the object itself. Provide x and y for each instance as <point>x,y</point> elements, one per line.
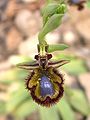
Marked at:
<point>78,66</point>
<point>88,3</point>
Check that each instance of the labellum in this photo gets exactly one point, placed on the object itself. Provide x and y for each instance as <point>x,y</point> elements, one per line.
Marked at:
<point>44,83</point>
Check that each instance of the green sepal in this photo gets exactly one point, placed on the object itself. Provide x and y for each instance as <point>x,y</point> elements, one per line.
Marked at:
<point>57,47</point>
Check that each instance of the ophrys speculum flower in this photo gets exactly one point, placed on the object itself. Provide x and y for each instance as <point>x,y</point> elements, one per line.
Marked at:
<point>45,82</point>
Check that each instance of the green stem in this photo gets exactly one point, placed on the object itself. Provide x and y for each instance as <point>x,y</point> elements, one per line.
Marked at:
<point>41,40</point>
<point>42,45</point>
<point>53,21</point>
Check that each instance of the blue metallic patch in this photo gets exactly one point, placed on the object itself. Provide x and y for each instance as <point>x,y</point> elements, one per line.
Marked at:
<point>46,87</point>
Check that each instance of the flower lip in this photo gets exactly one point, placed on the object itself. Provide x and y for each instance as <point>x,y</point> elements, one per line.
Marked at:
<point>45,83</point>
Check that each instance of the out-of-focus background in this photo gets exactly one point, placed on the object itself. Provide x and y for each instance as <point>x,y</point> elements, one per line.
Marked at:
<point>20,22</point>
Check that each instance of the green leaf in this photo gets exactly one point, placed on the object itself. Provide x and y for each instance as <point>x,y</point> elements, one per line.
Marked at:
<point>65,56</point>
<point>2,108</point>
<point>26,109</point>
<point>51,24</point>
<point>8,77</point>
<point>21,75</point>
<point>49,113</point>
<point>17,98</point>
<point>65,110</point>
<point>79,102</point>
<point>57,47</point>
<point>75,67</point>
<point>88,4</point>
<point>13,75</point>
